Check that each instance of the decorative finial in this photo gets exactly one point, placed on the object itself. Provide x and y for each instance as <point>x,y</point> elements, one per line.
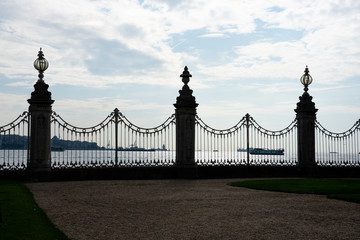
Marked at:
<point>41,64</point>
<point>186,76</point>
<point>186,99</point>
<point>306,79</point>
<point>41,93</point>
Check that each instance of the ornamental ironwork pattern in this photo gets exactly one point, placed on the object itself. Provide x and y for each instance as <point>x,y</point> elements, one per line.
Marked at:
<point>115,142</point>
<point>14,143</point>
<point>246,143</point>
<point>118,142</point>
<point>337,149</point>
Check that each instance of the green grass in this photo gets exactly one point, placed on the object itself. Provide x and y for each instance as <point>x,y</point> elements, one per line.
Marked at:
<point>342,189</point>
<point>21,217</point>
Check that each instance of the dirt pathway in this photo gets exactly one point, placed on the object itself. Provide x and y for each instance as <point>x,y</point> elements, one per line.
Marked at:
<point>191,209</point>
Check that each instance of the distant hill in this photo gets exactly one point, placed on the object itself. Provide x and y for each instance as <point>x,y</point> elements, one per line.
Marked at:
<point>13,141</point>
<point>74,145</point>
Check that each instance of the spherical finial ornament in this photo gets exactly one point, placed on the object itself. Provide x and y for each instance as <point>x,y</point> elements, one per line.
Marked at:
<point>306,79</point>
<point>41,64</point>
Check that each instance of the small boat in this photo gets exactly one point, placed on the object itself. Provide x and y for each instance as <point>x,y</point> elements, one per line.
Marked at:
<point>135,148</point>
<point>242,150</point>
<point>262,151</point>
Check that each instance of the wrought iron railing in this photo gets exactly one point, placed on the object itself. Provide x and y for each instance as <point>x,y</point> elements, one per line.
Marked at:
<point>246,143</point>
<point>282,144</point>
<point>14,142</point>
<point>113,142</point>
<point>146,146</point>
<point>337,149</point>
<point>118,142</point>
<point>219,147</point>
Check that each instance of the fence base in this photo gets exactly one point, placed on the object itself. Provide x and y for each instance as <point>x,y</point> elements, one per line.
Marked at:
<point>173,172</point>
<point>187,171</point>
<point>38,175</point>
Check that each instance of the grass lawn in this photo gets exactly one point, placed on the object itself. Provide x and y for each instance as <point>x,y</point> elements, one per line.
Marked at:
<point>342,189</point>
<point>21,218</point>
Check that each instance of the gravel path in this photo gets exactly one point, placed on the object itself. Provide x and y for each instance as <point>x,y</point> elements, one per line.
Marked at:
<point>191,209</point>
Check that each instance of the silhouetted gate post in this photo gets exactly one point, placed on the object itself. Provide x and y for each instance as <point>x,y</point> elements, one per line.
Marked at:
<point>306,116</point>
<point>39,164</point>
<point>185,129</point>
<point>116,120</point>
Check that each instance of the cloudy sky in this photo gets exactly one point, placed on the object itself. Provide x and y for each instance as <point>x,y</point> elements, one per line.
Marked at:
<point>245,57</point>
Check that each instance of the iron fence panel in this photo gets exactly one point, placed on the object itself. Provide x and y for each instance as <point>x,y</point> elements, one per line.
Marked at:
<point>115,142</point>
<point>337,149</point>
<point>246,143</point>
<point>14,143</point>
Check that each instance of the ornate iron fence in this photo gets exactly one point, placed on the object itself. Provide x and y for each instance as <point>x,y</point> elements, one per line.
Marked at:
<point>337,149</point>
<point>14,142</point>
<point>118,142</point>
<point>113,142</point>
<point>246,143</point>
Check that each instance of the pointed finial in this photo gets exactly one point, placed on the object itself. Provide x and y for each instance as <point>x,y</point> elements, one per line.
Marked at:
<point>306,70</point>
<point>41,54</point>
<point>186,76</point>
<point>186,99</point>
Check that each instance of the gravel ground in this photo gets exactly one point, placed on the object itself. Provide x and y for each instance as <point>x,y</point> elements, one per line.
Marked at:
<point>191,209</point>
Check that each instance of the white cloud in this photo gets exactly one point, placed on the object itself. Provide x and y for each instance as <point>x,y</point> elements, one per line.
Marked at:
<point>213,35</point>
<point>20,84</point>
<point>67,33</point>
<point>107,42</point>
<point>12,105</point>
<point>91,111</point>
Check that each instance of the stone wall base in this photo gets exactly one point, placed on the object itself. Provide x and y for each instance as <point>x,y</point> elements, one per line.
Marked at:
<point>172,172</point>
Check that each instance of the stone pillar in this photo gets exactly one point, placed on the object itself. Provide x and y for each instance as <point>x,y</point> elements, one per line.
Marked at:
<point>39,164</point>
<point>306,116</point>
<point>185,129</point>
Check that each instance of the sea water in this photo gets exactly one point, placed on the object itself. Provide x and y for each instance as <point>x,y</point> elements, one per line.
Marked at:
<point>127,158</point>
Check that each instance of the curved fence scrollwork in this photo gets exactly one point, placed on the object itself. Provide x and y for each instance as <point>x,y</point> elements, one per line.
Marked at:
<point>14,142</point>
<point>246,143</point>
<point>337,149</point>
<point>115,142</point>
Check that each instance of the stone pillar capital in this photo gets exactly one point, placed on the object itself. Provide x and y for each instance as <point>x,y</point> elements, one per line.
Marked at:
<point>41,95</point>
<point>306,105</point>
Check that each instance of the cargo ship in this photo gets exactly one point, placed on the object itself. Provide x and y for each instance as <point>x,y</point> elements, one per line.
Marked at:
<point>262,151</point>
<point>135,148</point>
